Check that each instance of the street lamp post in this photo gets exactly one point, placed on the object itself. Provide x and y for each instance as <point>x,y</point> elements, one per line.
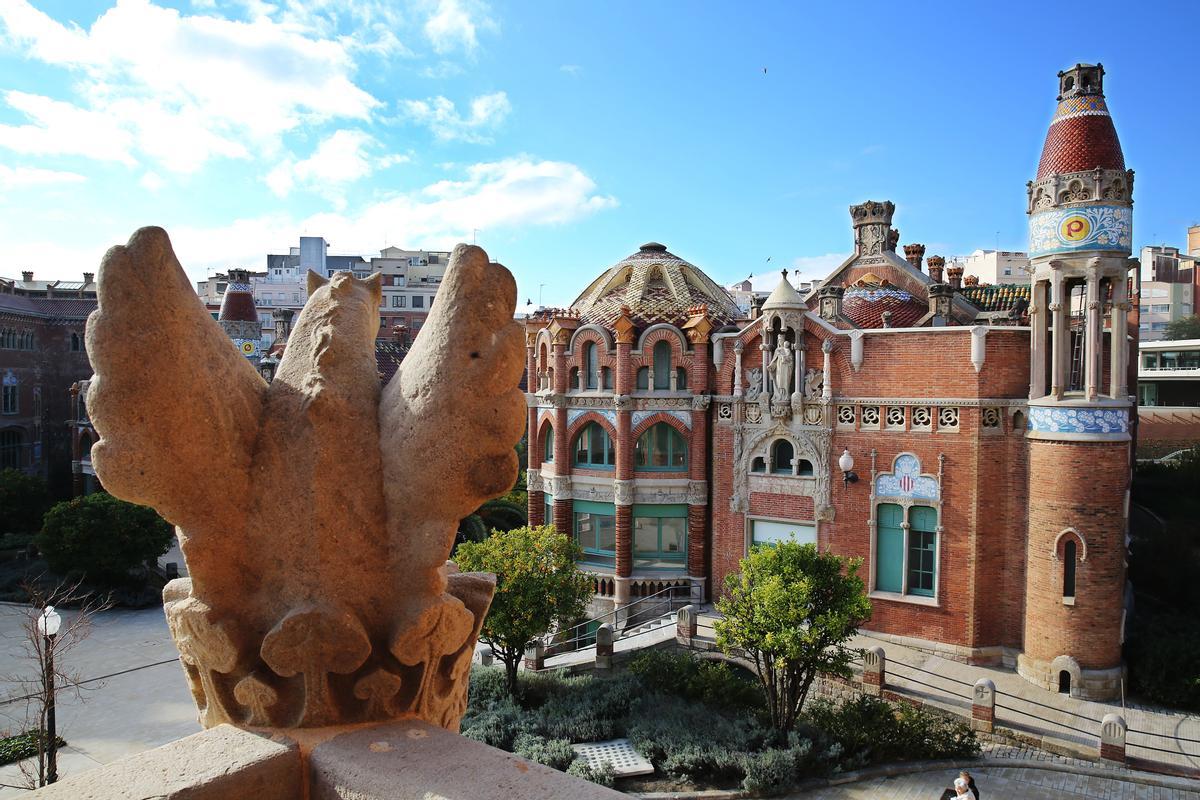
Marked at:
<point>48,624</point>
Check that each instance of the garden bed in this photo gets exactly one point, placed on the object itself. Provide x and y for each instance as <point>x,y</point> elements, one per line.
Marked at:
<point>22,746</point>
<point>702,724</point>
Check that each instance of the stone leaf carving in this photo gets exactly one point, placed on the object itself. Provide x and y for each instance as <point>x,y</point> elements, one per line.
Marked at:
<point>313,521</point>
<point>314,643</point>
<point>377,688</point>
<point>754,384</point>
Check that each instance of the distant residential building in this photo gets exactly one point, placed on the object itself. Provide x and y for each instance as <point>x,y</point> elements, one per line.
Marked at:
<point>759,287</point>
<point>410,281</point>
<point>1169,281</point>
<point>995,266</point>
<point>41,355</point>
<point>1169,373</point>
<point>1193,240</point>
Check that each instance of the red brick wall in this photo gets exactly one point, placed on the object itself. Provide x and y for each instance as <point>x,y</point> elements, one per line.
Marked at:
<point>1080,485</point>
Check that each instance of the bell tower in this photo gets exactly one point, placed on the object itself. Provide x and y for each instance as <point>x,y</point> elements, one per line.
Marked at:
<point>1080,210</point>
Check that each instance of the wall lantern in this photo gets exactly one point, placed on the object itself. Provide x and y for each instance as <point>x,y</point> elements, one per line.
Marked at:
<point>846,462</point>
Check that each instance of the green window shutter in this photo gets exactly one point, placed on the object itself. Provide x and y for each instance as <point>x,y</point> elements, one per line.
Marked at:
<point>889,548</point>
<point>588,507</point>
<point>647,510</point>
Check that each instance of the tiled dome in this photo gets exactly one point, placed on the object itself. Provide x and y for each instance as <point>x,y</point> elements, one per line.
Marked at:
<point>864,304</point>
<point>238,303</point>
<point>656,286</point>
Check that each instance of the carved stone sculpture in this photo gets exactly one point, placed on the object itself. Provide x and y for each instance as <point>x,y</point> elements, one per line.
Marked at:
<point>781,370</point>
<point>814,379</point>
<point>754,384</point>
<point>316,513</point>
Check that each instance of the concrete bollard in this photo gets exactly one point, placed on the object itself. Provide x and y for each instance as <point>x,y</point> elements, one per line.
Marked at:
<point>1112,738</point>
<point>983,706</point>
<point>874,667</point>
<point>485,657</point>
<point>604,646</point>
<point>686,621</point>
<point>535,655</point>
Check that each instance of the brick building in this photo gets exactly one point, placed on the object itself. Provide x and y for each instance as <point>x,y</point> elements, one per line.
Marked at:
<point>41,355</point>
<point>971,446</point>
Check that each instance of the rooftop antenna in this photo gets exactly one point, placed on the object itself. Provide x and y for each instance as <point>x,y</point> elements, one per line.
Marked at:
<point>473,232</point>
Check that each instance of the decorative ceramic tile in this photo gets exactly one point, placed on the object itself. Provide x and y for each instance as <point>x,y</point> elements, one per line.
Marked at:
<point>1078,420</point>
<point>906,480</point>
<point>1099,227</point>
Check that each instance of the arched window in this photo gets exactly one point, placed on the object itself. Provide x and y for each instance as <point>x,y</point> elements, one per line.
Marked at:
<point>660,447</point>
<point>759,465</point>
<point>662,365</point>
<point>594,448</point>
<point>1069,568</point>
<point>643,378</point>
<point>680,377</point>
<point>548,445</point>
<point>591,365</point>
<point>573,378</point>
<point>804,466</point>
<point>781,457</point>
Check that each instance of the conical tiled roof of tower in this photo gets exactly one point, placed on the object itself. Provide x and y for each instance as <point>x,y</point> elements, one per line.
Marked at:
<point>1081,135</point>
<point>656,286</point>
<point>238,303</point>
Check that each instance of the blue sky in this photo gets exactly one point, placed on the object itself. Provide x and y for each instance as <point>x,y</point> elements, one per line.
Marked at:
<point>565,133</point>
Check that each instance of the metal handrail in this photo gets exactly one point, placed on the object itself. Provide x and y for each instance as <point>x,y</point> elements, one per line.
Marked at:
<point>549,639</point>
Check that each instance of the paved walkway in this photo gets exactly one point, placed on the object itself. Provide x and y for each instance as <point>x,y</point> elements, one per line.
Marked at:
<point>1045,719</point>
<point>126,713</point>
<point>1000,783</point>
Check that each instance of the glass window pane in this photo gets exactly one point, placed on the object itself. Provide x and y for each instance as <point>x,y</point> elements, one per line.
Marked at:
<point>678,449</point>
<point>674,536</point>
<point>645,535</point>
<point>921,551</point>
<point>606,533</point>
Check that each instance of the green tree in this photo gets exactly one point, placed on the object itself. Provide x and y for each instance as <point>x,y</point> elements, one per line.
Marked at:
<point>23,501</point>
<point>102,538</point>
<point>1183,328</point>
<point>537,586</point>
<point>791,610</point>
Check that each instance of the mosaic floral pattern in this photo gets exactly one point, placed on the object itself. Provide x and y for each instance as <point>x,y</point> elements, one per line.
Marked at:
<point>906,480</point>
<point>641,416</point>
<point>1079,420</point>
<point>575,413</point>
<point>1086,228</point>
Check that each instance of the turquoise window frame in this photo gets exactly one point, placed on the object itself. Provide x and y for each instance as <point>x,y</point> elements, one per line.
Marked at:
<point>644,448</point>
<point>548,519</point>
<point>593,554</point>
<point>676,560</point>
<point>922,551</point>
<point>548,446</point>
<point>889,548</point>
<point>608,451</point>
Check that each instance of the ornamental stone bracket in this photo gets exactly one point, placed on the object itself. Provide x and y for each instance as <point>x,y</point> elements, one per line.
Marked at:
<point>533,480</point>
<point>701,402</point>
<point>221,453</point>
<point>697,493</point>
<point>623,493</point>
<point>978,346</point>
<point>559,487</point>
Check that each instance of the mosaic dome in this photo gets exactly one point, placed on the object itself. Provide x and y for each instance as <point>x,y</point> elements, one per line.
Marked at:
<point>238,303</point>
<point>864,304</point>
<point>1081,135</point>
<point>657,286</point>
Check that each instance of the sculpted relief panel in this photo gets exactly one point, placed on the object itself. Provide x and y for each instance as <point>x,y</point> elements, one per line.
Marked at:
<point>319,590</point>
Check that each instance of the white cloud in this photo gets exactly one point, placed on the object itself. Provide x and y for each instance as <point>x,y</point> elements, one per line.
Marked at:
<point>442,117</point>
<point>340,159</point>
<point>178,89</point>
<point>25,177</point>
<point>512,194</point>
<point>152,182</point>
<point>571,69</point>
<point>454,25</point>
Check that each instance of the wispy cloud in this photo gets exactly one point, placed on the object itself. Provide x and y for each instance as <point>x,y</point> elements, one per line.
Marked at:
<point>176,89</point>
<point>340,159</point>
<point>443,118</point>
<point>571,69</point>
<point>26,177</point>
<point>454,25</point>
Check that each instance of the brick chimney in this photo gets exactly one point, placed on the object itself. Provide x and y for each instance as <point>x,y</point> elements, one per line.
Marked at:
<point>914,253</point>
<point>941,296</point>
<point>954,277</point>
<point>27,276</point>
<point>87,278</point>
<point>971,280</point>
<point>936,265</point>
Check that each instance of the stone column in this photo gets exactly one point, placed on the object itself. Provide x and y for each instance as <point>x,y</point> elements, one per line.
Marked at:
<point>686,624</point>
<point>798,364</point>
<point>535,655</point>
<point>564,515</point>
<point>604,646</point>
<point>535,504</point>
<point>1092,349</point>
<point>737,368</point>
<point>1060,336</point>
<point>1119,369</point>
<point>1038,319</point>
<point>1112,738</point>
<point>623,496</point>
<point>766,368</point>
<point>827,388</point>
<point>983,706</point>
<point>874,671</point>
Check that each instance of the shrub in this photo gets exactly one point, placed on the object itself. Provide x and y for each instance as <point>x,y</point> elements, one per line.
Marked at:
<point>102,538</point>
<point>498,724</point>
<point>554,753</point>
<point>1164,659</point>
<point>770,772</point>
<point>872,731</point>
<point>23,501</point>
<point>594,709</point>
<point>714,683</point>
<point>23,745</point>
<point>602,775</point>
<point>704,762</point>
<point>691,741</point>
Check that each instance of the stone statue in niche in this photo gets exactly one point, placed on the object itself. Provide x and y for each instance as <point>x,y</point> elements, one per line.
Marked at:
<point>754,386</point>
<point>781,369</point>
<point>814,380</point>
<point>319,592</point>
